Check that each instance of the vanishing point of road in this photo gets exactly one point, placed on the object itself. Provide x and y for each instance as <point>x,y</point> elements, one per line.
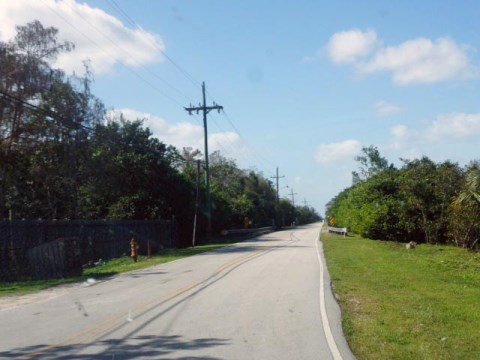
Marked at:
<point>265,298</point>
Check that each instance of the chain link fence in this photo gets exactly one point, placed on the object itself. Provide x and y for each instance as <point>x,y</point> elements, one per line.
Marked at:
<point>43,249</point>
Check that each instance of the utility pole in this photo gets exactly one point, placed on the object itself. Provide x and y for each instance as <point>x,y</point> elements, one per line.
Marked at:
<point>196,204</point>
<point>277,202</point>
<point>277,177</point>
<point>205,110</point>
<point>305,202</point>
<point>292,194</point>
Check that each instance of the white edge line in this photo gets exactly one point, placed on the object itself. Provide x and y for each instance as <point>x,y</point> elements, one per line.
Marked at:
<point>323,311</point>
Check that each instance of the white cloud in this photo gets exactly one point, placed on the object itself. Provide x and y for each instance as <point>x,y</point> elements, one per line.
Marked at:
<point>454,126</point>
<point>98,36</point>
<point>186,134</point>
<point>348,46</point>
<point>448,128</point>
<point>334,152</point>
<point>400,131</point>
<point>383,108</point>
<point>402,136</point>
<point>229,143</point>
<point>422,61</point>
<point>419,60</point>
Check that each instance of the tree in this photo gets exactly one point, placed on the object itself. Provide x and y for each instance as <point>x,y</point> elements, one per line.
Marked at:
<point>306,215</point>
<point>410,203</point>
<point>427,189</point>
<point>371,163</point>
<point>464,222</point>
<point>41,148</point>
<point>188,165</point>
<point>287,212</point>
<point>130,174</point>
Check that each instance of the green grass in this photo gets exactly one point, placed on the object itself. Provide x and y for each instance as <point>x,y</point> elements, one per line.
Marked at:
<point>111,267</point>
<point>396,303</point>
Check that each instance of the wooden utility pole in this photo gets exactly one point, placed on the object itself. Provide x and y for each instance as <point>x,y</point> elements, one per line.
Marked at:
<point>277,205</point>
<point>277,177</point>
<point>205,110</point>
<point>292,194</point>
<point>196,204</point>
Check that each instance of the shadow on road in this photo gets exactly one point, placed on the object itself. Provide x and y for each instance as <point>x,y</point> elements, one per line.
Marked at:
<point>145,346</point>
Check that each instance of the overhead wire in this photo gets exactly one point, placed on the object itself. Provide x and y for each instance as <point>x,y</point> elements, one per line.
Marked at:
<point>53,115</point>
<point>235,149</point>
<point>247,142</point>
<point>48,113</point>
<point>131,57</point>
<point>113,4</point>
<point>259,157</point>
<point>189,77</point>
<point>125,66</point>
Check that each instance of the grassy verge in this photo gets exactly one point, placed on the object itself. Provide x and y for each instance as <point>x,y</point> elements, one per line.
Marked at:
<point>112,267</point>
<point>396,303</point>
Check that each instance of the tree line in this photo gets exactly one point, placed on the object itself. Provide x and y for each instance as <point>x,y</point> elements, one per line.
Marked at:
<point>61,157</point>
<point>420,201</point>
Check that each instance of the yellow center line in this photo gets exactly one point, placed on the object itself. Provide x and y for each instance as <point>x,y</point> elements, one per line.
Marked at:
<point>96,329</point>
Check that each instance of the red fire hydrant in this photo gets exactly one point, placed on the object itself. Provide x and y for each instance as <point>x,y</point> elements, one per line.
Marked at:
<point>134,249</point>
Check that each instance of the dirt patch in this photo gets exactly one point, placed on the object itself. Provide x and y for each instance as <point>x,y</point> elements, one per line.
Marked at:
<point>9,302</point>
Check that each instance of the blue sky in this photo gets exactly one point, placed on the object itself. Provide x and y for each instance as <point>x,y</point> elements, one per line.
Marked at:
<point>305,84</point>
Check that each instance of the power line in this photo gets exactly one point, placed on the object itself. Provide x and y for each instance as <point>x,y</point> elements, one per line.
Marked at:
<point>49,113</point>
<point>128,68</point>
<point>114,5</point>
<point>147,69</point>
<point>117,7</point>
<point>259,156</point>
<point>132,22</point>
<point>236,149</point>
<point>131,57</point>
<point>53,115</point>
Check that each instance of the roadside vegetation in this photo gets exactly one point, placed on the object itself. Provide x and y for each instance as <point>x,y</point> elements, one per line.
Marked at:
<point>416,303</point>
<point>422,201</point>
<point>108,268</point>
<point>406,304</point>
<point>64,156</point>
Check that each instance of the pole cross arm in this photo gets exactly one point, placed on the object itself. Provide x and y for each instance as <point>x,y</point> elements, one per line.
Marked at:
<point>207,109</point>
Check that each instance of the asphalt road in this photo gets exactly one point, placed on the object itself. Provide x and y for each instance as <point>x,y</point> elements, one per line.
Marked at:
<point>260,299</point>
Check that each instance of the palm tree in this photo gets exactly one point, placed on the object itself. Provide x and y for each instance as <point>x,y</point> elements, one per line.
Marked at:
<point>467,208</point>
<point>470,195</point>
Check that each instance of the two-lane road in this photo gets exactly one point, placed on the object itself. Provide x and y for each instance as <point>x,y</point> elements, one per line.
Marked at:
<point>259,299</point>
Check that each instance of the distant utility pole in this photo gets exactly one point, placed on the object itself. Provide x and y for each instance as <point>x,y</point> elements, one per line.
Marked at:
<point>292,194</point>
<point>277,206</point>
<point>206,109</point>
<point>277,177</point>
<point>305,202</point>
